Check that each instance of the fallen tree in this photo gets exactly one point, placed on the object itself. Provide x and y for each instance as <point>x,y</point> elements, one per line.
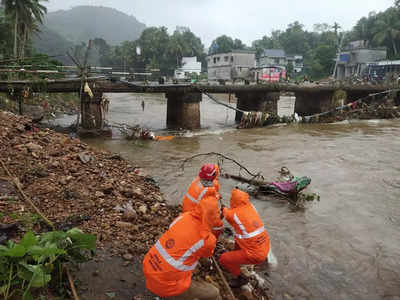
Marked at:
<point>287,186</point>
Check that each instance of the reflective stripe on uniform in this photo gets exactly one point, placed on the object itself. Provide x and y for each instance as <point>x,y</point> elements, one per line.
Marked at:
<point>218,228</point>
<point>251,234</point>
<point>178,264</point>
<point>203,192</point>
<point>245,234</point>
<point>176,220</point>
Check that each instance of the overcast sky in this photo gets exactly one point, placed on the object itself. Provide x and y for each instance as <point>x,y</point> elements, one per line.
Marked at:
<point>247,20</point>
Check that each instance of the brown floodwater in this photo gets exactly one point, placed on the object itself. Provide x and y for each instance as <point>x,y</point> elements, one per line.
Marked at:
<point>347,246</point>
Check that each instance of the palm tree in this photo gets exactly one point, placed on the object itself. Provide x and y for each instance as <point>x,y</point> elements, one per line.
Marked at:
<point>25,14</point>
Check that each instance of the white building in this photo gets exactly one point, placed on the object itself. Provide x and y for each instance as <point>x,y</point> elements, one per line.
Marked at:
<point>189,65</point>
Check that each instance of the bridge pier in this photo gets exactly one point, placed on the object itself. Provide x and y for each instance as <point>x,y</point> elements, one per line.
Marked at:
<point>256,101</point>
<point>92,114</point>
<point>309,103</point>
<point>183,110</point>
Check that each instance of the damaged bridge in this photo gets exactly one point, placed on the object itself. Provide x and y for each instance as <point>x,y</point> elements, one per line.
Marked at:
<point>183,100</point>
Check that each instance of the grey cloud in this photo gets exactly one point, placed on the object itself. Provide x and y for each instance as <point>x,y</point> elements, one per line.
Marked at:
<point>246,20</point>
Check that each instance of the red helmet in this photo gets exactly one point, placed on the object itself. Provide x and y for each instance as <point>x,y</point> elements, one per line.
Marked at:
<point>208,172</point>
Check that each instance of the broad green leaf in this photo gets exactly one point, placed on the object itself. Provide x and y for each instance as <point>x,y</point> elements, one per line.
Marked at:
<point>45,251</point>
<point>39,276</point>
<point>74,231</point>
<point>28,240</point>
<point>24,274</point>
<point>83,241</point>
<point>16,251</point>
<point>3,250</point>
<point>53,237</point>
<point>41,280</point>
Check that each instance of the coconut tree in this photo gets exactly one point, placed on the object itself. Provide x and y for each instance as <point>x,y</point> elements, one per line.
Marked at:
<point>25,14</point>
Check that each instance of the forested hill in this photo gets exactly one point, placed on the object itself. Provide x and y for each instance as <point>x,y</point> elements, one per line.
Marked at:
<point>82,23</point>
<point>51,43</point>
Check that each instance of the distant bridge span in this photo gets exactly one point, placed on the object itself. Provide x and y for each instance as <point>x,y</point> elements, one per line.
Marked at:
<point>109,86</point>
<point>183,105</point>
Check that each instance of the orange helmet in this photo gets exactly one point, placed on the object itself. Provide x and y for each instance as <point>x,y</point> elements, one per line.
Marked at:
<point>208,172</point>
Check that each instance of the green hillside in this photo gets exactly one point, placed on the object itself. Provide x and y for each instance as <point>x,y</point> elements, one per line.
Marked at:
<point>82,23</point>
<point>51,43</point>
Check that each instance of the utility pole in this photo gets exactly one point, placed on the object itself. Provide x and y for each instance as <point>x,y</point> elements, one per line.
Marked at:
<point>336,26</point>
<point>338,55</point>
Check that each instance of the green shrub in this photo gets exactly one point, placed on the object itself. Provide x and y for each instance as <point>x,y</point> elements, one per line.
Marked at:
<point>37,260</point>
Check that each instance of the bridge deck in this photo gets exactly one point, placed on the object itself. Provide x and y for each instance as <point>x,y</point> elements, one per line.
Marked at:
<point>107,86</point>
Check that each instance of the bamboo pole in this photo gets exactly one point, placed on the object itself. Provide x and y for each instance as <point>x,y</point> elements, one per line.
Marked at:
<point>221,274</point>
<point>71,283</point>
<point>26,198</point>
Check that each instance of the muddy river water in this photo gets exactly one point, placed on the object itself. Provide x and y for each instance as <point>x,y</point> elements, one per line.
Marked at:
<point>347,246</point>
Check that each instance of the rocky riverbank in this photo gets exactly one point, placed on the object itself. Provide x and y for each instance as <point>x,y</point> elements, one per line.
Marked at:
<point>75,185</point>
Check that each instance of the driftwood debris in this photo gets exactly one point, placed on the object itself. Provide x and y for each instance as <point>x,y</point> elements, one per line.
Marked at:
<point>245,180</point>
<point>287,186</point>
<point>221,158</point>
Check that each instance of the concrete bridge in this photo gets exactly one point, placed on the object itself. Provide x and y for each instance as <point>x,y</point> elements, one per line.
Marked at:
<point>183,100</point>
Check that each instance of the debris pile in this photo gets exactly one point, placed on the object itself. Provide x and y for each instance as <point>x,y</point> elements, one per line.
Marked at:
<point>287,186</point>
<point>360,111</point>
<point>76,185</point>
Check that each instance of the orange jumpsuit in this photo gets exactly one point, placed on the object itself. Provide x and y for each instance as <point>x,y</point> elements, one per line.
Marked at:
<point>169,264</point>
<point>251,238</point>
<point>198,193</point>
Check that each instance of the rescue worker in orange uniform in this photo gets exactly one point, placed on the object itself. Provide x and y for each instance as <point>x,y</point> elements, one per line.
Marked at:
<point>251,239</point>
<point>205,188</point>
<point>169,264</point>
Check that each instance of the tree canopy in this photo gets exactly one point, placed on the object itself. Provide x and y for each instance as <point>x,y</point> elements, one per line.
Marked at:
<point>224,44</point>
<point>25,15</point>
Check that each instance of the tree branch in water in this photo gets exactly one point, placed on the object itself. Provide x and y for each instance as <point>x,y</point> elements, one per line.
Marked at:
<point>255,176</point>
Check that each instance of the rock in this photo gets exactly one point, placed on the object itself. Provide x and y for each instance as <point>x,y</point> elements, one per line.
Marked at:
<point>55,164</point>
<point>84,157</point>
<point>138,192</point>
<point>129,215</point>
<point>158,198</point>
<point>143,209</point>
<point>127,193</point>
<point>128,256</point>
<point>99,194</point>
<point>107,189</point>
<point>155,207</point>
<point>33,147</point>
<point>123,224</point>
